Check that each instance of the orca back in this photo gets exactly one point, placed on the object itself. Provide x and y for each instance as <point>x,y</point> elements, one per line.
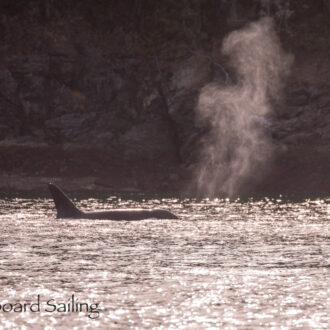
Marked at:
<point>64,207</point>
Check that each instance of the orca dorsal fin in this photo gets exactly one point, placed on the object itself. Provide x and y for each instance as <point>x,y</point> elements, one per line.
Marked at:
<point>64,207</point>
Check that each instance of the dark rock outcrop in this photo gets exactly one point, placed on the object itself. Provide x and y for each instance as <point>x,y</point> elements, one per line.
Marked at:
<point>86,94</point>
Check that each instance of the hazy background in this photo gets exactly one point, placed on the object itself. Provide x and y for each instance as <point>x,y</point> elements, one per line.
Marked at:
<point>166,96</point>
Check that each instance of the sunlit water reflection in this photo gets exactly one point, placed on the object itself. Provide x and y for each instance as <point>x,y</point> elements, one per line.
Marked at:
<point>252,264</point>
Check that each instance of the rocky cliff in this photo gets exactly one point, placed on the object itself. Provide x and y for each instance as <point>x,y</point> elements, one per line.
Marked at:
<point>102,95</point>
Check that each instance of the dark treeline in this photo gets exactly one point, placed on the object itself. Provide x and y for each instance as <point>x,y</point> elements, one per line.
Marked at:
<point>157,22</point>
<point>125,76</point>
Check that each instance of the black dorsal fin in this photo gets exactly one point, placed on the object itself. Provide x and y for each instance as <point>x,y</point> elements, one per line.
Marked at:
<point>65,208</point>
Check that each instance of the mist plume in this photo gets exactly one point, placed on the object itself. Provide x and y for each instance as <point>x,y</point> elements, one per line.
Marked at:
<point>236,143</point>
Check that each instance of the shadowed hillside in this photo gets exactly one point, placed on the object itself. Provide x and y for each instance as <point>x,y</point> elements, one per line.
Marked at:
<point>103,94</point>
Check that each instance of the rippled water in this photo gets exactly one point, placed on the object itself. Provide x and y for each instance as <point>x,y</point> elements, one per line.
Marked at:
<point>239,264</point>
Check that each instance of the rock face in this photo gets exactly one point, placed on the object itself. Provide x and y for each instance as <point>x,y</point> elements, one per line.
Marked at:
<point>304,118</point>
<point>117,106</point>
<point>78,102</point>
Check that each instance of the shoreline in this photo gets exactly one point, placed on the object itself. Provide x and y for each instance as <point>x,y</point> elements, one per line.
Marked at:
<point>292,170</point>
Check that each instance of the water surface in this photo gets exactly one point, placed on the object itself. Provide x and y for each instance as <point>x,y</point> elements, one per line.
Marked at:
<point>235,264</point>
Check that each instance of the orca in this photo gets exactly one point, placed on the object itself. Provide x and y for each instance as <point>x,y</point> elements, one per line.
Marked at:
<point>66,209</point>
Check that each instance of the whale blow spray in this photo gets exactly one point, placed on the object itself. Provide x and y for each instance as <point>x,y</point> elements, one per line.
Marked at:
<point>236,143</point>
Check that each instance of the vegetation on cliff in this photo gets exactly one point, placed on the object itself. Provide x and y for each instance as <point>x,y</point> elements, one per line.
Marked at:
<point>124,77</point>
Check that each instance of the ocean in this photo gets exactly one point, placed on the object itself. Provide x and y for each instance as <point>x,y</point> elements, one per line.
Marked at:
<point>229,264</point>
